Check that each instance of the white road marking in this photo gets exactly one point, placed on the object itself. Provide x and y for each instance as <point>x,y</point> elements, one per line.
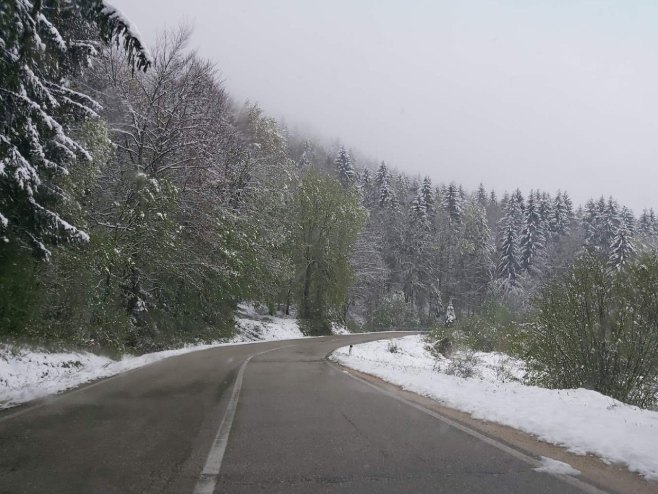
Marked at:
<point>208,479</point>
<point>583,486</point>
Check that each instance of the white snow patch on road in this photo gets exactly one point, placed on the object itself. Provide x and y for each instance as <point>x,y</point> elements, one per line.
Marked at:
<point>29,374</point>
<point>583,421</point>
<point>549,465</point>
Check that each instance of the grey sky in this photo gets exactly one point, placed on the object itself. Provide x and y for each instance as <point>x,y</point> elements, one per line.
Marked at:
<point>532,93</point>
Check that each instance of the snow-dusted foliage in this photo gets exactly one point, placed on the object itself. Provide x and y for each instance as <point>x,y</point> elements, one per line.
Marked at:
<point>43,45</point>
<point>450,314</point>
<point>622,248</point>
<point>453,203</point>
<point>532,237</point>
<point>346,173</point>
<point>383,181</point>
<point>426,195</point>
<point>509,265</point>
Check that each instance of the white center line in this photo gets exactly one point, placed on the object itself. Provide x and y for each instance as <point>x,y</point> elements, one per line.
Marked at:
<point>208,479</point>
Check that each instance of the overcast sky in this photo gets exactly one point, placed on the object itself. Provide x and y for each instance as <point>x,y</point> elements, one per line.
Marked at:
<point>550,94</point>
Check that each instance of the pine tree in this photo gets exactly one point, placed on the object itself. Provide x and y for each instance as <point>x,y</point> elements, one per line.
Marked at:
<point>427,195</point>
<point>419,208</point>
<point>481,195</point>
<point>560,220</point>
<point>343,163</point>
<point>450,314</point>
<point>386,194</point>
<point>519,211</point>
<point>532,236</point>
<point>382,174</point>
<point>509,266</point>
<point>453,204</point>
<point>493,200</point>
<point>476,256</point>
<point>568,205</point>
<point>612,222</point>
<point>627,219</point>
<point>306,158</point>
<point>43,44</point>
<point>646,227</point>
<point>599,223</point>
<point>545,206</point>
<point>622,248</point>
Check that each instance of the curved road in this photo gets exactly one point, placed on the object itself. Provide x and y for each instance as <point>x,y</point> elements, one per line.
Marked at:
<point>299,425</point>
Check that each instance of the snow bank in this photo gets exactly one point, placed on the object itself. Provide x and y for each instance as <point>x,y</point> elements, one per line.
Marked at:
<point>252,326</point>
<point>549,465</point>
<point>583,421</point>
<point>339,329</point>
<point>27,374</point>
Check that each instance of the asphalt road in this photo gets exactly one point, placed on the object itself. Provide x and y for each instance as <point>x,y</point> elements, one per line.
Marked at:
<point>301,425</point>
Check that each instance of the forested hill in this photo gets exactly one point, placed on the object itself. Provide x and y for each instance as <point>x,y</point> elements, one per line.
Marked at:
<point>139,204</point>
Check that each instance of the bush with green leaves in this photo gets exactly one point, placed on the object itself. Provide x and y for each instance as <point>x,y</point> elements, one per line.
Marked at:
<point>598,329</point>
<point>393,313</point>
<point>495,328</point>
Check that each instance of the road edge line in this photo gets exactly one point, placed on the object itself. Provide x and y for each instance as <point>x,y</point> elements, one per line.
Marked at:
<point>535,463</point>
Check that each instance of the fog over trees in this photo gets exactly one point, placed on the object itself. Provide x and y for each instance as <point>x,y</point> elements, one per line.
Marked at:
<point>140,204</point>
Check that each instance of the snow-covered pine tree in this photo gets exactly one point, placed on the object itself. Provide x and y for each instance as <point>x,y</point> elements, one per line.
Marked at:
<point>450,314</point>
<point>509,266</point>
<point>599,223</point>
<point>532,237</point>
<point>382,174</point>
<point>366,186</point>
<point>505,199</point>
<point>646,227</point>
<point>519,211</point>
<point>476,253</point>
<point>453,204</point>
<point>591,224</point>
<point>419,208</point>
<point>42,45</point>
<point>568,205</point>
<point>622,247</point>
<point>306,158</point>
<point>559,224</point>
<point>343,163</point>
<point>427,194</point>
<point>627,219</point>
<point>612,222</point>
<point>544,203</point>
<point>493,199</point>
<point>383,182</point>
<point>481,195</point>
<point>462,193</point>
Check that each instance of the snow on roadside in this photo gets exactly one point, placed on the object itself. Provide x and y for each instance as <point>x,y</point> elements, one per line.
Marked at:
<point>549,465</point>
<point>583,421</point>
<point>28,374</point>
<point>252,326</point>
<point>339,329</point>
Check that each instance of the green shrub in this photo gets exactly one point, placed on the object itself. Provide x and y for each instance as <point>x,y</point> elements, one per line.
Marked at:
<point>598,330</point>
<point>393,314</point>
<point>494,328</point>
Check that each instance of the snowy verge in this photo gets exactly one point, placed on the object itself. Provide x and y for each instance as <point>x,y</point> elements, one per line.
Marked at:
<point>549,465</point>
<point>28,374</point>
<point>582,421</point>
